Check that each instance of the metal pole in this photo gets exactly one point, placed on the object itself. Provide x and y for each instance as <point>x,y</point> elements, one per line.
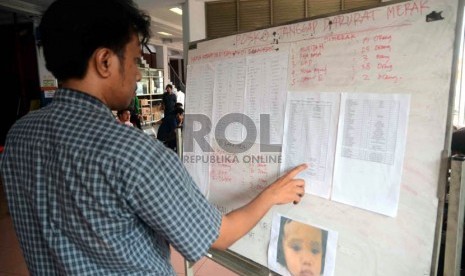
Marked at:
<point>188,266</point>
<point>455,216</point>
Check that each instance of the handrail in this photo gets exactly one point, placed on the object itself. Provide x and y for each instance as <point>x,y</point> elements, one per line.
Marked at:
<point>178,81</point>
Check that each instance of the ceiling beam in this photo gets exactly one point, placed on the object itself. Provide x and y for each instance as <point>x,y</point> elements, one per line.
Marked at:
<point>21,6</point>
<point>166,23</point>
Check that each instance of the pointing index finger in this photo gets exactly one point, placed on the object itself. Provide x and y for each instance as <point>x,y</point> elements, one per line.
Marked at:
<point>295,171</point>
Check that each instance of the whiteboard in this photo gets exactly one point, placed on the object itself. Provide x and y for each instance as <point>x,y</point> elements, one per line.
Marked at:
<point>399,48</point>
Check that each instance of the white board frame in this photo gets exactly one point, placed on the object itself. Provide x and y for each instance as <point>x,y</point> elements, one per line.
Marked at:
<point>444,156</point>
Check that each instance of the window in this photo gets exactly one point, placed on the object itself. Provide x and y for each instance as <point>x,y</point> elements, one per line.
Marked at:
<point>229,17</point>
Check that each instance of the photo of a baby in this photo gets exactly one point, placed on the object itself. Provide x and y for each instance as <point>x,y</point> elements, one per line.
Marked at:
<point>297,248</point>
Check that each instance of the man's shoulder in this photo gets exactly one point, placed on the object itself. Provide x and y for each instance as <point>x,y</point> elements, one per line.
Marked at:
<point>32,119</point>
<point>131,137</point>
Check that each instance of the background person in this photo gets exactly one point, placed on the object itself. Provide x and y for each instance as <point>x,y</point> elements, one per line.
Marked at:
<point>169,100</point>
<point>85,201</point>
<point>124,117</point>
<point>167,130</point>
<point>301,248</point>
<point>458,141</point>
<point>180,96</point>
<point>134,108</point>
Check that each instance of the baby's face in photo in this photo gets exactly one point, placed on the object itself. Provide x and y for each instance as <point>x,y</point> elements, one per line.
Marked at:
<point>302,245</point>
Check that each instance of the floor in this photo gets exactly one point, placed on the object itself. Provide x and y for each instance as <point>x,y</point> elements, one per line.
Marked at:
<point>12,262</point>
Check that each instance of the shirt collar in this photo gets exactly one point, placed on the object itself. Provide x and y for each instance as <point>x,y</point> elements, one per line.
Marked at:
<point>71,96</point>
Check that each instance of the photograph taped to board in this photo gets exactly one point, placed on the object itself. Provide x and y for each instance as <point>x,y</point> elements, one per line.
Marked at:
<point>297,248</point>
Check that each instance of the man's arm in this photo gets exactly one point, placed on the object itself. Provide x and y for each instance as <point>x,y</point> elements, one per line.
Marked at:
<point>240,221</point>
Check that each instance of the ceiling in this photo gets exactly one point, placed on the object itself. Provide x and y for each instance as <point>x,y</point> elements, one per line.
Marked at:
<point>163,20</point>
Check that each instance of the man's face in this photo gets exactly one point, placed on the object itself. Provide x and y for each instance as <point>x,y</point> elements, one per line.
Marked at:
<point>126,75</point>
<point>180,117</point>
<point>125,116</point>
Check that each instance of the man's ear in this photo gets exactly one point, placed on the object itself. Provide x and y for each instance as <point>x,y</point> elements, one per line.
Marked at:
<point>102,60</point>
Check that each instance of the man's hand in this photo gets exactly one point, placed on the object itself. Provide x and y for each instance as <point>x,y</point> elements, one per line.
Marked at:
<point>287,189</point>
<point>238,222</point>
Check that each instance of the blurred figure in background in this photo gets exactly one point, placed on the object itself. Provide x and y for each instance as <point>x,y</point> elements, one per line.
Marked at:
<point>458,141</point>
<point>169,100</point>
<point>124,117</point>
<point>167,130</point>
<point>134,108</point>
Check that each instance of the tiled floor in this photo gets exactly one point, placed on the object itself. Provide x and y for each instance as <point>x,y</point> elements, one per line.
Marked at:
<point>12,262</point>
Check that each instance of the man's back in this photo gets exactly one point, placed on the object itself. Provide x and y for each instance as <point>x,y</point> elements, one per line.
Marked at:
<point>77,199</point>
<point>90,196</point>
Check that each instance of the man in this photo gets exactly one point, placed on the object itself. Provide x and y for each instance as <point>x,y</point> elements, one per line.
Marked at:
<point>84,195</point>
<point>167,130</point>
<point>180,96</point>
<point>134,109</point>
<point>124,117</point>
<point>458,141</point>
<point>169,100</point>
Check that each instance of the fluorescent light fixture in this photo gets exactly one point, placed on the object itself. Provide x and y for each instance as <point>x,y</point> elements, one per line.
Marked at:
<point>164,33</point>
<point>176,10</point>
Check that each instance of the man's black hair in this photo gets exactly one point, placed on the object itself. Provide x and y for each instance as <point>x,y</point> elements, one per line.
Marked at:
<point>178,110</point>
<point>71,30</point>
<point>121,112</point>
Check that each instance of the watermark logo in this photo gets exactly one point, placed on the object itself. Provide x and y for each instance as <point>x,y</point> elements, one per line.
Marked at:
<point>231,159</point>
<point>198,127</point>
